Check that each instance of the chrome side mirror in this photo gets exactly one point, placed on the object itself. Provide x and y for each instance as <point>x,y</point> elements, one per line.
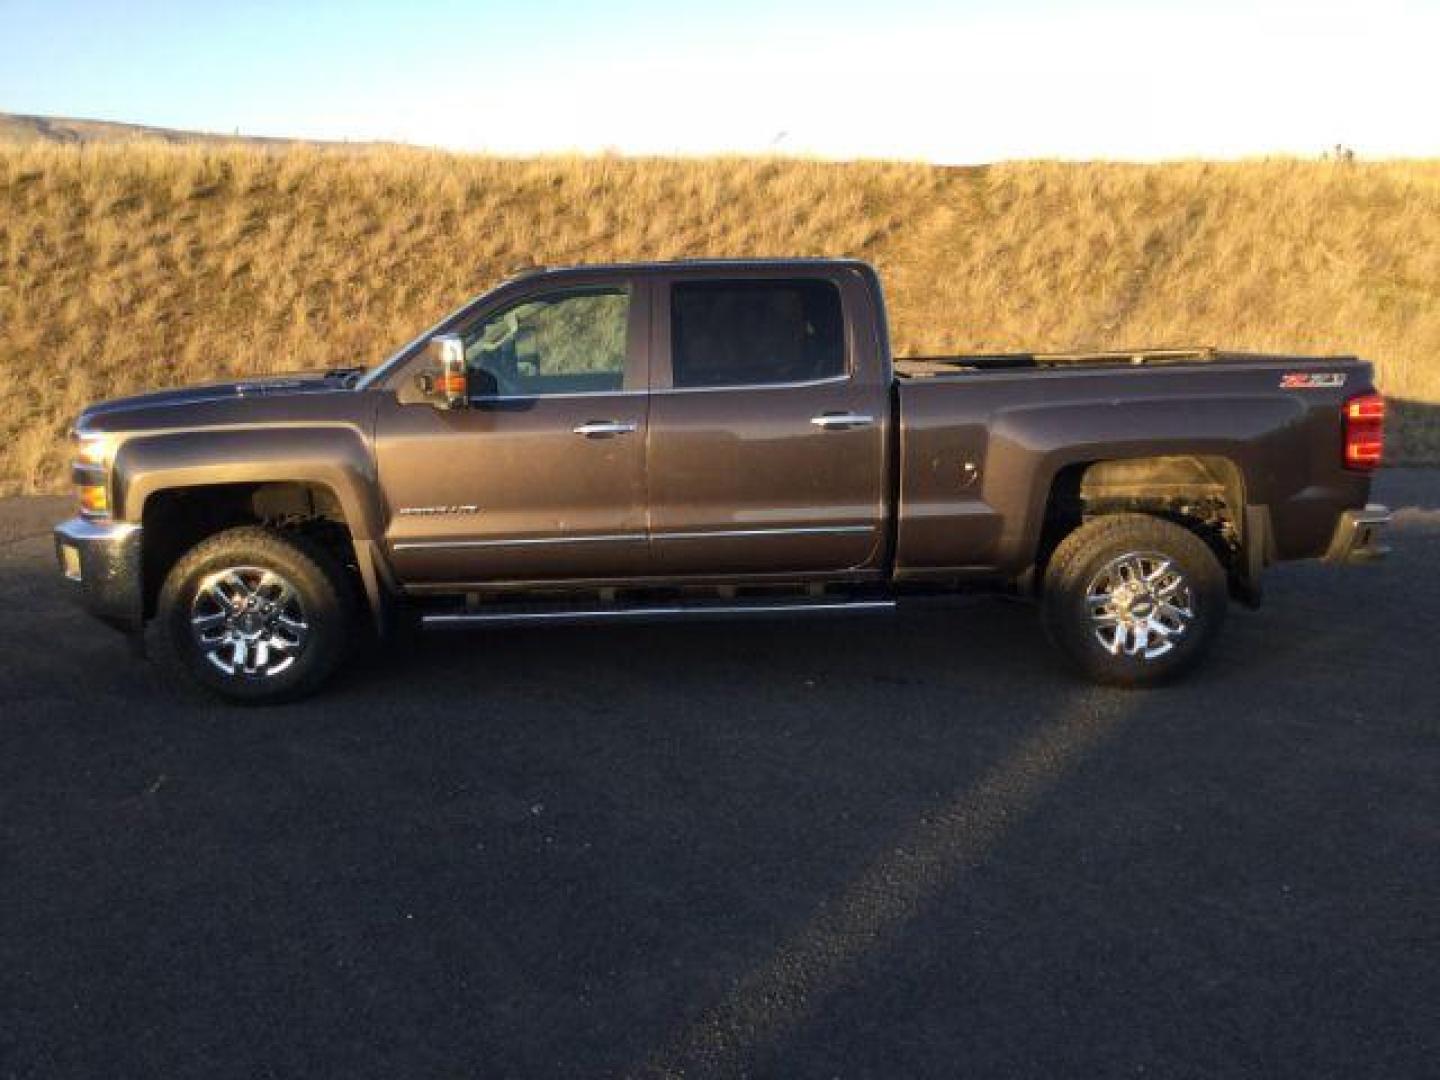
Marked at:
<point>451,386</point>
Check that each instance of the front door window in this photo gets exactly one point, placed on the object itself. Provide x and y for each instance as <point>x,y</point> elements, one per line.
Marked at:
<point>560,343</point>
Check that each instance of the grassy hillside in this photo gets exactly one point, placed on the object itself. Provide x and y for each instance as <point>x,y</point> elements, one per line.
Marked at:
<point>131,266</point>
<point>21,128</point>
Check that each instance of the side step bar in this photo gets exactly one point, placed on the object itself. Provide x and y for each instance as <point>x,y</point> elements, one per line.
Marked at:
<point>649,612</point>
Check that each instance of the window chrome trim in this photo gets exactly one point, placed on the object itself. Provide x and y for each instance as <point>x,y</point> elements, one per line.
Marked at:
<point>529,541</point>
<point>482,399</point>
<point>828,380</point>
<point>807,530</point>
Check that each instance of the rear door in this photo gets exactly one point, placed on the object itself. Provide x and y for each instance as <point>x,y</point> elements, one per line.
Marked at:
<point>767,441</point>
<point>543,476</point>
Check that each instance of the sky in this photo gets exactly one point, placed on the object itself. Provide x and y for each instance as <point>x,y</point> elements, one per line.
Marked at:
<point>959,82</point>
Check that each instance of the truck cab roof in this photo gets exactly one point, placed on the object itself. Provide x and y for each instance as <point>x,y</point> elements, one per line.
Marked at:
<point>670,265</point>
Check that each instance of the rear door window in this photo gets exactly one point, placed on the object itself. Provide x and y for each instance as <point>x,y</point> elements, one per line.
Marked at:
<point>754,333</point>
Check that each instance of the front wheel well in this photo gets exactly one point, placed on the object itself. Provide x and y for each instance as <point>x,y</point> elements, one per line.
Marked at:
<point>177,519</point>
<point>1204,494</point>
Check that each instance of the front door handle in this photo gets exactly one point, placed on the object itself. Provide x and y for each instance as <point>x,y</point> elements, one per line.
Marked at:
<point>838,421</point>
<point>604,429</point>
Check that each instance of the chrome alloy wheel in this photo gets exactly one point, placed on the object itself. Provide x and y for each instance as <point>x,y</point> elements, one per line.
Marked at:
<point>1140,604</point>
<point>248,621</point>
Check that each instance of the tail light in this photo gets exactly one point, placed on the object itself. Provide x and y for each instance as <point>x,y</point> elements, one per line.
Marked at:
<point>1364,424</point>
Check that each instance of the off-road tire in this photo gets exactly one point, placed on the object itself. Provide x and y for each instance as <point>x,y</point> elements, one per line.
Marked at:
<point>325,592</point>
<point>1087,552</point>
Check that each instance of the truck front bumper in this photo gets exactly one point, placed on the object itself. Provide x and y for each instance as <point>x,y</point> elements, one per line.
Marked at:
<point>101,562</point>
<point>1358,535</point>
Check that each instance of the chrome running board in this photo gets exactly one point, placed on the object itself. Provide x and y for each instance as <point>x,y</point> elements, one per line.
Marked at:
<point>649,612</point>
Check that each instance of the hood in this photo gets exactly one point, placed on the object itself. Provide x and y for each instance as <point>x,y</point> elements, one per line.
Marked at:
<point>337,380</point>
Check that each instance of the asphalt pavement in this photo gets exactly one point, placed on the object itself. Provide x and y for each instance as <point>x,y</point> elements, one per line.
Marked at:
<point>867,847</point>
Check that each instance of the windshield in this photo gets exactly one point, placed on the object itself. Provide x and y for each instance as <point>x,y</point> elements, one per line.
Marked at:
<point>382,369</point>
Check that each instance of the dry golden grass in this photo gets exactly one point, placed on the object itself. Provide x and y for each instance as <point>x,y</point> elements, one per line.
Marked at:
<point>124,267</point>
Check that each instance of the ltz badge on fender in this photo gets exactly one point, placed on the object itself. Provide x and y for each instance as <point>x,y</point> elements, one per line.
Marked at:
<point>432,511</point>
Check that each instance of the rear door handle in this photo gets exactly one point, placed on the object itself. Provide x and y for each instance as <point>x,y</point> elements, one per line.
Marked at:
<point>840,421</point>
<point>604,429</point>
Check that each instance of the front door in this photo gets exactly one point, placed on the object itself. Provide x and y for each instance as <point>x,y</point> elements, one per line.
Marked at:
<point>543,476</point>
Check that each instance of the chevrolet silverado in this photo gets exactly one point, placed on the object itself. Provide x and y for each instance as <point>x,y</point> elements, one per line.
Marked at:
<point>710,439</point>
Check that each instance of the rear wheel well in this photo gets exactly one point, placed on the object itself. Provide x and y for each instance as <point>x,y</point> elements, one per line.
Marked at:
<point>1204,494</point>
<point>177,519</point>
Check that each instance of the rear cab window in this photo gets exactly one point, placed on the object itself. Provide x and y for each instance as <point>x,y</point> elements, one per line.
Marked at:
<point>755,332</point>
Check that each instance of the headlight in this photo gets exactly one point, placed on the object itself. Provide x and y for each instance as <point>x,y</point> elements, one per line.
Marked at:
<point>94,450</point>
<point>91,473</point>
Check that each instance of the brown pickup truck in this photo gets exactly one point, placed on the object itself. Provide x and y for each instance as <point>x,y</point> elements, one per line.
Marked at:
<point>710,439</point>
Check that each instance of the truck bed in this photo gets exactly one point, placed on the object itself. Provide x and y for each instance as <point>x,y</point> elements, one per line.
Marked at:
<point>983,439</point>
<point>928,367</point>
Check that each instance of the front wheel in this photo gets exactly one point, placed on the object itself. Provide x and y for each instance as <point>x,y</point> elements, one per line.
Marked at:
<point>255,616</point>
<point>1133,600</point>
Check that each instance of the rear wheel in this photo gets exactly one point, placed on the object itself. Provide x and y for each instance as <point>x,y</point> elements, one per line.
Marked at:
<point>1133,600</point>
<point>255,616</point>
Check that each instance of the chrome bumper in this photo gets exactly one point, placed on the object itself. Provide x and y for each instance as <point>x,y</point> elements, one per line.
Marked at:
<point>101,562</point>
<point>1358,535</point>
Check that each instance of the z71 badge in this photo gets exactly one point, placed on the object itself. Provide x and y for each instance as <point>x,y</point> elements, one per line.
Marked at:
<point>1303,380</point>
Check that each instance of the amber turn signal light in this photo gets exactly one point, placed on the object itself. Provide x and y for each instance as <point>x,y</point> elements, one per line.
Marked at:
<point>450,384</point>
<point>94,500</point>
